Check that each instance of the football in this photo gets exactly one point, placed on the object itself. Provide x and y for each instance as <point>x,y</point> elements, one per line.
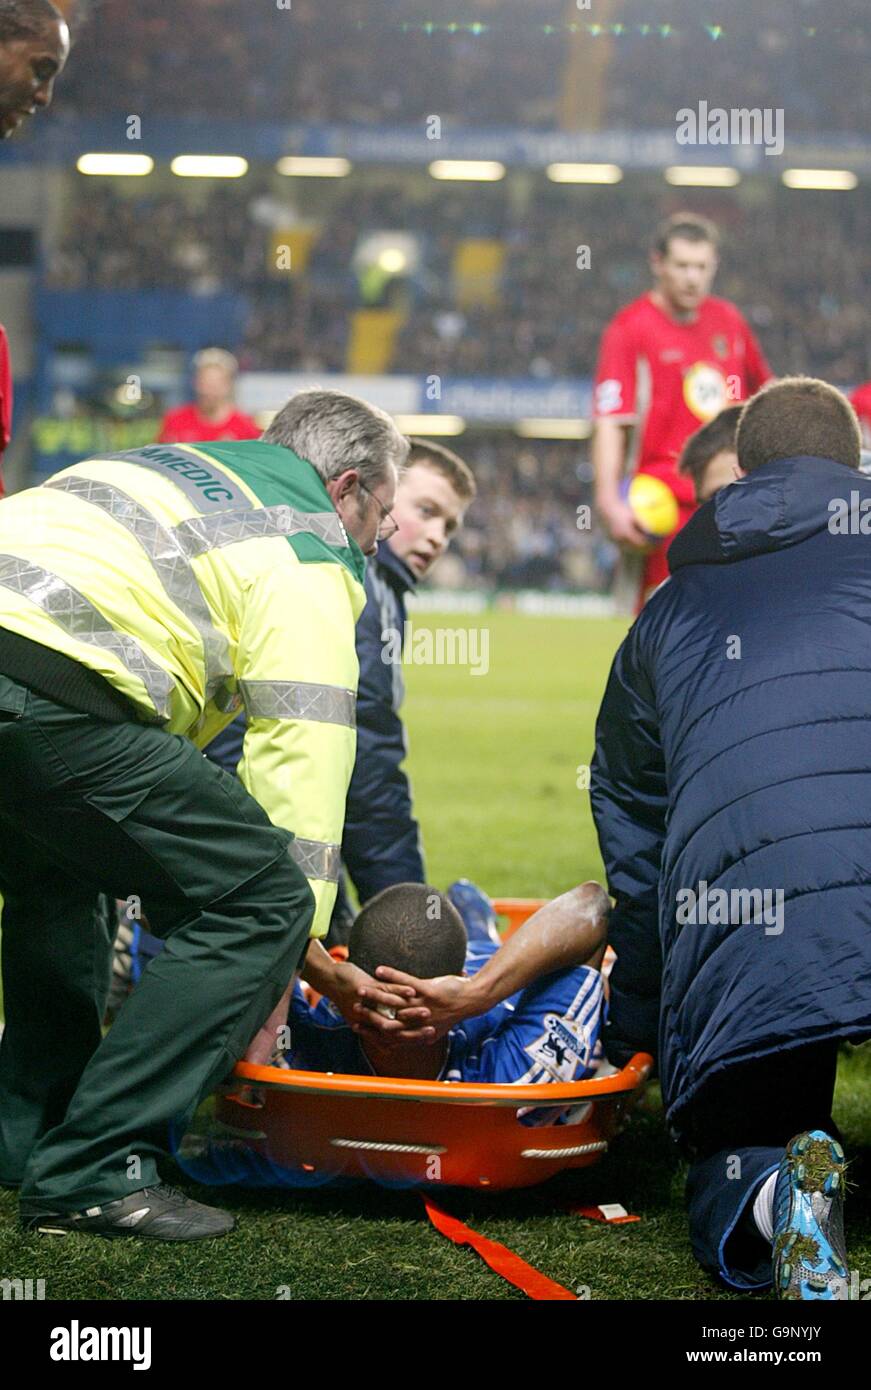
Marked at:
<point>653,503</point>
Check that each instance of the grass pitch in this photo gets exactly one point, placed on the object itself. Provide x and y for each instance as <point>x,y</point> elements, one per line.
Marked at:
<point>494,761</point>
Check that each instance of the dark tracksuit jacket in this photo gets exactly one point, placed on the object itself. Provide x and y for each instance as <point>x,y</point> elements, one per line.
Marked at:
<point>733,750</point>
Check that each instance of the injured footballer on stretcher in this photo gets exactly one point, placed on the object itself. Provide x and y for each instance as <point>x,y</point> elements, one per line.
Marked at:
<point>529,1010</point>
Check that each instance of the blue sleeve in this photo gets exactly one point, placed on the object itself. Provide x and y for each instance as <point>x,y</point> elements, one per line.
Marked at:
<point>320,1039</point>
<point>629,798</point>
<point>226,748</point>
<point>550,1033</point>
<point>471,1033</point>
<point>303,1050</point>
<point>381,839</point>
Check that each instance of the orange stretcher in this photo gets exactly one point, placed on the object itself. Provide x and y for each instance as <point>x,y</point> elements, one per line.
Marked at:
<point>276,1127</point>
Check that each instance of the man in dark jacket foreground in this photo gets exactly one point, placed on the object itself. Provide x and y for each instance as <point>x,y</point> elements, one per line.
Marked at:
<point>731,791</point>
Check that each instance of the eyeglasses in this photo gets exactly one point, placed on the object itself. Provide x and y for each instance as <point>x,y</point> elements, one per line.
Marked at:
<point>388,525</point>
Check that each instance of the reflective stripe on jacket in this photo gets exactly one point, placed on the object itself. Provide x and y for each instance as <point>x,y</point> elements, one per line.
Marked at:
<point>196,578</point>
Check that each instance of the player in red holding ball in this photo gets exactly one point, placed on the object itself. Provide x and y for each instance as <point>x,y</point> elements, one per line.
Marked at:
<point>669,362</point>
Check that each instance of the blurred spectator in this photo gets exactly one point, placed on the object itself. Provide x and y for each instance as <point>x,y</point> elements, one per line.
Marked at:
<point>522,530</point>
<point>213,414</point>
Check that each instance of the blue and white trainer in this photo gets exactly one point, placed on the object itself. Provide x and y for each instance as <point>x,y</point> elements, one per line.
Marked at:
<point>810,1257</point>
<point>476,910</point>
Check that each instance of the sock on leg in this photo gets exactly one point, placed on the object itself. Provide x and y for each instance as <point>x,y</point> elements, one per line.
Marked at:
<point>763,1208</point>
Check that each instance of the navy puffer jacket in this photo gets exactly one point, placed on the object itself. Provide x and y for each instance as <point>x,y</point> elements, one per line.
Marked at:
<point>734,751</point>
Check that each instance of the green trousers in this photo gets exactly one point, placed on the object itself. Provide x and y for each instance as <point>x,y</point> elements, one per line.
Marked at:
<point>88,806</point>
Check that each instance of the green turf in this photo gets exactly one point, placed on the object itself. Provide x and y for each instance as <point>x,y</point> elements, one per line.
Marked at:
<point>494,763</point>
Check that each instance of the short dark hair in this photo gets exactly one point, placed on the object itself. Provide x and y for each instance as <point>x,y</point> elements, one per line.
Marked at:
<point>410,927</point>
<point>796,417</point>
<point>713,438</point>
<point>687,225</point>
<point>446,462</point>
<point>27,19</point>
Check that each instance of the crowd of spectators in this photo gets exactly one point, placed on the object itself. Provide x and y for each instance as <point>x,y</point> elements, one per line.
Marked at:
<point>525,530</point>
<point>807,57</point>
<point>358,62</point>
<point>797,264</point>
<point>201,58</point>
<point>155,242</point>
<point>490,63</point>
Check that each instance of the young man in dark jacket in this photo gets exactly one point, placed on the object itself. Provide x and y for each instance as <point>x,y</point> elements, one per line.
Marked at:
<point>381,841</point>
<point>709,456</point>
<point>732,797</point>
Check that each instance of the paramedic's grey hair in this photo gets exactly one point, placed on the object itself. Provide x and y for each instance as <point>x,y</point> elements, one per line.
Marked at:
<point>334,431</point>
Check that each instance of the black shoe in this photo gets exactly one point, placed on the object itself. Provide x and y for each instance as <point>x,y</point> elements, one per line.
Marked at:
<point>154,1213</point>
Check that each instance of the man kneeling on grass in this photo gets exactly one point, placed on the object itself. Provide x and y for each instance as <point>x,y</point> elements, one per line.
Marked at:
<point>526,1011</point>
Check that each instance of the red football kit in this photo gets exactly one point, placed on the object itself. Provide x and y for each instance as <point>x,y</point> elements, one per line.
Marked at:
<point>861,403</point>
<point>5,399</point>
<point>668,377</point>
<point>186,425</point>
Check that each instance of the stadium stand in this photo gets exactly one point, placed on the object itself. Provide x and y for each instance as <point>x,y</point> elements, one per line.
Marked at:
<point>492,288</point>
<point>498,63</point>
<point>798,278</point>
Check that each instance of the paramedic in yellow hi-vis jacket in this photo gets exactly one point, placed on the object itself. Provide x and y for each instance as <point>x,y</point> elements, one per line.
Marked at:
<point>144,598</point>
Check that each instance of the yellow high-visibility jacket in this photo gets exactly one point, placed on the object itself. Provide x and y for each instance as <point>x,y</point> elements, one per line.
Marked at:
<point>198,578</point>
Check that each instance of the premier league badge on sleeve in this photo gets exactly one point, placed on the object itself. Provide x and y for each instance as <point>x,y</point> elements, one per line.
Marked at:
<point>562,1047</point>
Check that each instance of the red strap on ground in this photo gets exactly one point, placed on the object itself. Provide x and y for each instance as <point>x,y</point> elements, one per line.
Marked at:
<point>499,1258</point>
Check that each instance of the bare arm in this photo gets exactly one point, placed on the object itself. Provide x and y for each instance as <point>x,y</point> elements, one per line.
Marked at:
<point>570,931</point>
<point>265,1045</point>
<point>609,460</point>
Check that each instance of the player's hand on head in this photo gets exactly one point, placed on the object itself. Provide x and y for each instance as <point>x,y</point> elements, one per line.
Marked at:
<point>394,1027</point>
<point>438,1004</point>
<point>351,987</point>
